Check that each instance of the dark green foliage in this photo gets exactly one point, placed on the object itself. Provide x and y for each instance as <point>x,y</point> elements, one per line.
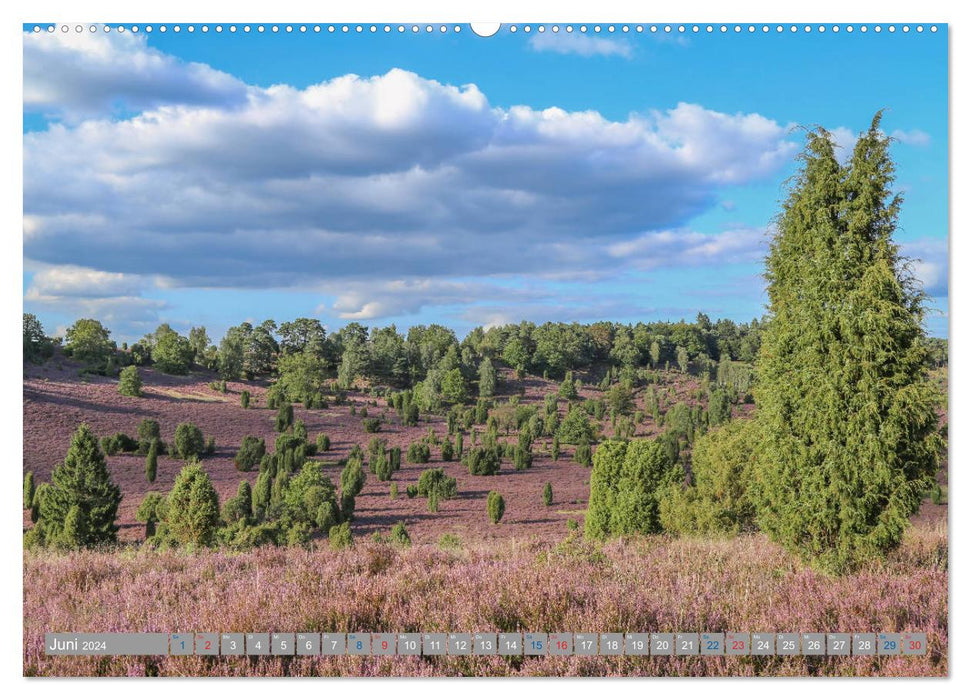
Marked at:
<point>394,458</point>
<point>340,536</point>
<point>371,425</point>
<point>411,490</point>
<point>522,459</point>
<point>87,341</point>
<point>210,446</point>
<point>938,496</point>
<point>548,494</point>
<point>150,511</point>
<point>719,407</point>
<point>240,506</point>
<point>352,478</point>
<point>583,454</point>
<point>572,525</point>
<point>262,494</point>
<point>119,442</point>
<point>309,500</point>
<point>849,421</point>
<point>435,481</point>
<point>418,453</point>
<point>188,441</point>
<point>300,430</point>
<point>495,506</point>
<point>723,469</point>
<point>284,418</point>
<point>151,460</point>
<point>433,502</point>
<point>483,461</point>
<point>381,466</point>
<point>37,346</point>
<point>555,449</point>
<point>459,446</point>
<point>393,491</point>
<point>399,535</point>
<point>192,509</point>
<point>625,487</point>
<point>448,452</point>
<point>568,388</point>
<point>454,386</point>
<point>576,428</point>
<point>481,411</point>
<point>620,399</point>
<point>487,378</point>
<point>323,443</point>
<point>149,430</point>
<point>250,453</point>
<point>171,352</point>
<point>244,397</point>
<point>29,489</point>
<point>275,397</point>
<point>130,382</point>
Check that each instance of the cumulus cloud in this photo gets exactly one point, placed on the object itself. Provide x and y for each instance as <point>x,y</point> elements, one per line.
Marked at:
<point>390,174</point>
<point>73,75</point>
<point>579,44</point>
<point>379,191</point>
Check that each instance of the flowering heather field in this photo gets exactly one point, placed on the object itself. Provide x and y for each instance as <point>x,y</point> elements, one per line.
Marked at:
<point>57,400</point>
<point>652,584</point>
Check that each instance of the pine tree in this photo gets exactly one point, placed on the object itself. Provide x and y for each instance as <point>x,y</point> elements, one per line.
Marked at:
<point>487,379</point>
<point>82,488</point>
<point>849,422</point>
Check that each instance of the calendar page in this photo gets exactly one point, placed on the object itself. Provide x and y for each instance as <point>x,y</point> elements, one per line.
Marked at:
<point>517,349</point>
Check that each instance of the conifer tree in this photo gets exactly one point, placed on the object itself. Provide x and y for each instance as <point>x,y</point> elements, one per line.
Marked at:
<point>81,488</point>
<point>849,421</point>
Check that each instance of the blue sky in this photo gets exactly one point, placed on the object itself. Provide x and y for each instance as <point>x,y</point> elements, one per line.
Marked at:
<point>415,178</point>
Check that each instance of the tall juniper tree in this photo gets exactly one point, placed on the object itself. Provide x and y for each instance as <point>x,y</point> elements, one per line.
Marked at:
<point>850,423</point>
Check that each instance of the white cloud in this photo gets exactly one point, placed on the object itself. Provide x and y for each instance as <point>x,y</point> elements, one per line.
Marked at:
<point>73,75</point>
<point>579,44</point>
<point>914,137</point>
<point>689,248</point>
<point>929,263</point>
<point>391,174</point>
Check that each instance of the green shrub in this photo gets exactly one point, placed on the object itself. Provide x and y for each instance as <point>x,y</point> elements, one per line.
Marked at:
<point>150,511</point>
<point>399,535</point>
<point>192,509</point>
<point>210,446</point>
<point>626,483</point>
<point>250,453</point>
<point>244,398</point>
<point>433,502</point>
<point>447,450</point>
<point>576,427</point>
<point>188,441</point>
<point>555,449</point>
<point>119,442</point>
<point>459,446</point>
<point>583,455</point>
<point>323,443</point>
<point>151,461</point>
<point>149,430</point>
<point>572,524</point>
<point>483,461</point>
<point>240,506</point>
<point>436,481</point>
<point>568,389</point>
<point>300,430</point>
<point>723,472</point>
<point>284,417</point>
<point>29,489</point>
<point>522,459</point>
<point>496,506</point>
<point>394,457</point>
<point>411,490</point>
<point>130,382</point>
<point>371,425</point>
<point>340,536</point>
<point>418,453</point>
<point>381,466</point>
<point>393,491</point>
<point>938,496</point>
<point>548,494</point>
<point>449,541</point>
